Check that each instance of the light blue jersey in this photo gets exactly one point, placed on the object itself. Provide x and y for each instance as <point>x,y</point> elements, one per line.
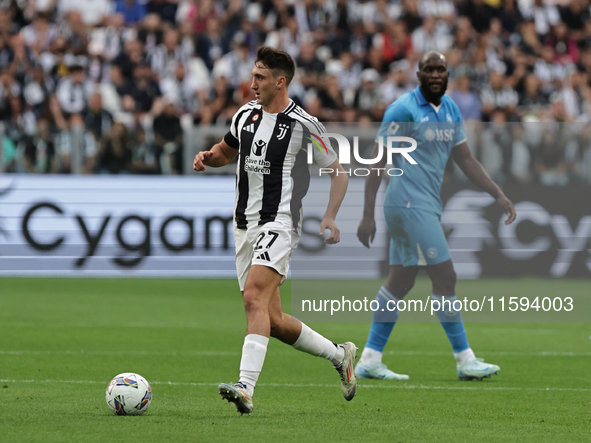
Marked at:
<point>437,130</point>
<point>412,209</point>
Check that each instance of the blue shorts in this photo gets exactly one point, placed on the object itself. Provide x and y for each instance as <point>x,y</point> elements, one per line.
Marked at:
<point>417,238</point>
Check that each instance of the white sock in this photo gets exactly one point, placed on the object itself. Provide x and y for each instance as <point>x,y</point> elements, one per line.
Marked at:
<point>253,357</point>
<point>370,357</point>
<point>464,356</point>
<point>313,343</point>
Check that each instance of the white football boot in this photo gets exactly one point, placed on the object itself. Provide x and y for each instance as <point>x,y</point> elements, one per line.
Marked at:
<point>378,371</point>
<point>477,368</point>
<point>346,372</point>
<point>237,394</point>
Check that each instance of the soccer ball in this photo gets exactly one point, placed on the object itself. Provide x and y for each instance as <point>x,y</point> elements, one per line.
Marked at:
<point>129,394</point>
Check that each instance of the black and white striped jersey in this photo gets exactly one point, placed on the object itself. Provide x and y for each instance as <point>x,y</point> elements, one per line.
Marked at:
<point>273,173</point>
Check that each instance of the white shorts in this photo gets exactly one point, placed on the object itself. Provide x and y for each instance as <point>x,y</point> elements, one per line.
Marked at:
<point>269,245</point>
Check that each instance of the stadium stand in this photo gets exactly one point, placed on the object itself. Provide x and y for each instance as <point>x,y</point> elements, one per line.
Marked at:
<point>121,86</point>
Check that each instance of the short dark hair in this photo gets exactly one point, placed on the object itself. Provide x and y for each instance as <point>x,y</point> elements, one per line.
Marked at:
<point>279,62</point>
<point>429,55</point>
<point>76,68</point>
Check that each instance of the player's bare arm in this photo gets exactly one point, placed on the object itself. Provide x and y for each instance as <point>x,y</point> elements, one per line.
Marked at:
<point>367,228</point>
<point>219,155</point>
<point>338,187</point>
<point>478,175</point>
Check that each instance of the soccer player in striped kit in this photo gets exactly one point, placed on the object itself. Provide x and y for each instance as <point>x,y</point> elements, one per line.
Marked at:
<point>269,136</point>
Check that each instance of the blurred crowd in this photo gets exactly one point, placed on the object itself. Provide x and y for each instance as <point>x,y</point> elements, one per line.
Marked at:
<point>117,86</point>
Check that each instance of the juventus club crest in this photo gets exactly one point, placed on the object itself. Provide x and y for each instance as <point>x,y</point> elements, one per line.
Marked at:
<point>282,131</point>
<point>259,146</point>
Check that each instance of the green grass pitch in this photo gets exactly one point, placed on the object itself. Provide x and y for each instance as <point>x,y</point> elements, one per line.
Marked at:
<point>62,340</point>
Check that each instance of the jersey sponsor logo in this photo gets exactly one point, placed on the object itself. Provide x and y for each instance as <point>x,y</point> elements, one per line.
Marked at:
<point>258,166</point>
<point>249,128</point>
<point>440,135</point>
<point>282,131</point>
<point>259,146</point>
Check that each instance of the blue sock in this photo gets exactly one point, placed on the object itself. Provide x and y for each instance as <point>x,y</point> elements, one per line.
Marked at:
<point>452,323</point>
<point>383,321</point>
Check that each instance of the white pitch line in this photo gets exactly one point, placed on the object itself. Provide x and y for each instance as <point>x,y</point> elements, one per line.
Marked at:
<point>126,352</point>
<point>234,353</point>
<point>497,353</point>
<point>332,386</point>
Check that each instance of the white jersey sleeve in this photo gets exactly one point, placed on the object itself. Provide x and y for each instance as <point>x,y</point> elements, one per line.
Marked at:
<point>315,138</point>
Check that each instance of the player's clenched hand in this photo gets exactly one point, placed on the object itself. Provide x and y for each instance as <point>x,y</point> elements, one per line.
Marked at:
<point>366,231</point>
<point>201,159</point>
<point>335,234</point>
<point>508,207</point>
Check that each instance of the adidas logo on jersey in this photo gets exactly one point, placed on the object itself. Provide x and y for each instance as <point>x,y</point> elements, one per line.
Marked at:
<point>264,256</point>
<point>249,128</point>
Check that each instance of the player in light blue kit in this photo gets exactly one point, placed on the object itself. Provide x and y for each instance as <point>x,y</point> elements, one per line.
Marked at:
<point>412,208</point>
